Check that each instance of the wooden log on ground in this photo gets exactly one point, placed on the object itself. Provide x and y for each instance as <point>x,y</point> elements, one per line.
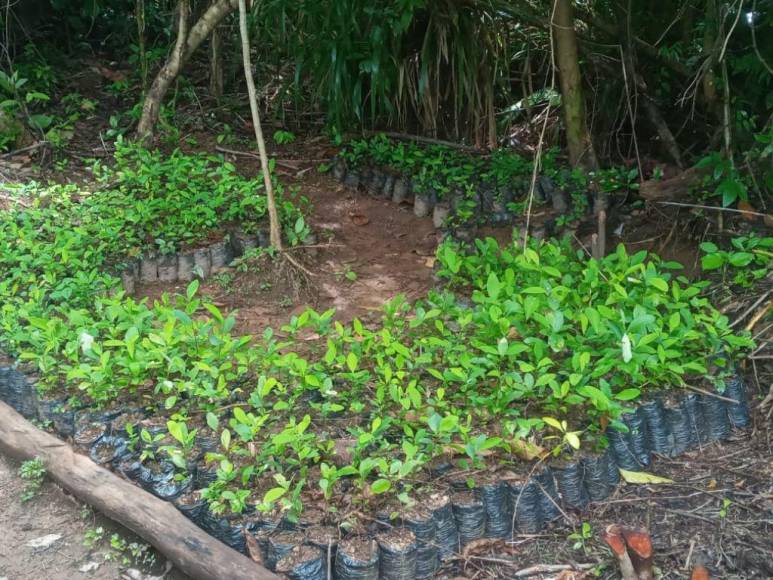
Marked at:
<point>674,187</point>
<point>159,523</point>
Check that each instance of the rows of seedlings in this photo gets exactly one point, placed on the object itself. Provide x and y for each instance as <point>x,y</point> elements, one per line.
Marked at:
<point>194,263</point>
<point>222,425</point>
<point>527,361</point>
<point>409,542</point>
<point>461,190</point>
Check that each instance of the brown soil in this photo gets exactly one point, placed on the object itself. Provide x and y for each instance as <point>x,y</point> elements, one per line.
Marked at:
<point>359,548</point>
<point>397,540</point>
<point>55,512</point>
<point>389,255</point>
<point>297,556</point>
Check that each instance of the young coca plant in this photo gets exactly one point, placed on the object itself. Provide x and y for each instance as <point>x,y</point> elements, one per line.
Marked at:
<point>186,439</point>
<point>567,438</point>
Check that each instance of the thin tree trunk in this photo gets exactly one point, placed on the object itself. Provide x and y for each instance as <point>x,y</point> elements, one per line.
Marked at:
<point>151,108</point>
<point>216,64</point>
<point>168,73</point>
<point>581,152</point>
<point>275,233</point>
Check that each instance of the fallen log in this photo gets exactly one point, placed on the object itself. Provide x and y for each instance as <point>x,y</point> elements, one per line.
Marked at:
<point>159,523</point>
<point>673,187</point>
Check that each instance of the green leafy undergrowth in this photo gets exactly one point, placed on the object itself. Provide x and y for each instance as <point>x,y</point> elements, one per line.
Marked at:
<point>162,202</point>
<point>749,259</point>
<point>538,349</point>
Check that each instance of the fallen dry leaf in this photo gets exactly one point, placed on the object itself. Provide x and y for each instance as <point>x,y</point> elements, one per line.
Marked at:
<point>358,219</point>
<point>746,210</point>
<point>642,477</point>
<point>572,575</point>
<point>527,451</point>
<point>485,545</point>
<point>429,262</point>
<point>253,548</point>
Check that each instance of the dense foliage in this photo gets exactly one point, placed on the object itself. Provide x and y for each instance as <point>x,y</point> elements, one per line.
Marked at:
<point>533,340</point>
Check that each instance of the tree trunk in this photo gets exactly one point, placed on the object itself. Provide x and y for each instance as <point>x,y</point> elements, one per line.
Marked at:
<point>168,73</point>
<point>151,108</point>
<point>275,232</point>
<point>216,64</point>
<point>581,152</point>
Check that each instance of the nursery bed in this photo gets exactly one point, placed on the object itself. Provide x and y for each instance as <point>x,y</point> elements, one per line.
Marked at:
<point>401,544</point>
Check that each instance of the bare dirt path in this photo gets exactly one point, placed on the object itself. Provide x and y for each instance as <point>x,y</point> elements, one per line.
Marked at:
<point>59,525</point>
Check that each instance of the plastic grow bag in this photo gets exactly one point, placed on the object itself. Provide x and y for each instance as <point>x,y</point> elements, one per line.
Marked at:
<point>716,424</point>
<point>680,429</point>
<point>496,502</point>
<point>56,412</point>
<point>108,449</point>
<point>446,534</point>
<point>596,475</point>
<point>401,190</point>
<point>202,262</point>
<point>526,501</point>
<point>423,204</point>
<point>167,268</point>
<point>548,494</point>
<point>470,516</point>
<point>280,544</point>
<point>658,435</point>
<point>303,563</point>
<point>397,554</point>
<point>352,179</point>
<point>19,393</point>
<point>422,524</point>
<point>357,559</point>
<point>148,269</point>
<point>326,539</point>
<point>738,413</point>
<point>185,266</point>
<point>220,253</point>
<point>637,435</point>
<point>571,485</point>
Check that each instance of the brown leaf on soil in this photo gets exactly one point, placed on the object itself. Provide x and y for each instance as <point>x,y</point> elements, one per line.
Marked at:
<point>429,262</point>
<point>745,207</point>
<point>110,74</point>
<point>700,572</point>
<point>358,219</point>
<point>343,451</point>
<point>482,546</point>
<point>572,575</point>
<point>527,451</point>
<point>253,548</point>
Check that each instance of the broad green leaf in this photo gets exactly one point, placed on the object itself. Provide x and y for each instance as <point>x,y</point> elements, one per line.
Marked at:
<point>274,494</point>
<point>380,486</point>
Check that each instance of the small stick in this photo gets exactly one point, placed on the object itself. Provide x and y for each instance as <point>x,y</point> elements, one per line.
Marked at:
<point>550,568</point>
<point>757,317</point>
<point>759,301</point>
<point>602,240</point>
<point>710,394</point>
<point>24,149</point>
<point>730,209</point>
